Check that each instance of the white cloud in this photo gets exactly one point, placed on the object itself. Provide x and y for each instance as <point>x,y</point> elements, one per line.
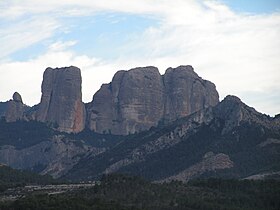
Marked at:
<point>26,77</point>
<point>238,52</point>
<point>59,46</point>
<point>25,33</point>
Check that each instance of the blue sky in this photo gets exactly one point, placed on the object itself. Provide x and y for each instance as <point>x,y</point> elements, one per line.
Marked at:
<point>233,43</point>
<point>254,6</point>
<point>101,36</point>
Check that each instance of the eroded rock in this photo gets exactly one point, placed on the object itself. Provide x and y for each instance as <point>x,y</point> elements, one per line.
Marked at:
<point>140,98</point>
<point>61,102</point>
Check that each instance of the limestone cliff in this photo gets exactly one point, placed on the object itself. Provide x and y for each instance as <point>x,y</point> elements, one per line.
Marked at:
<point>61,102</point>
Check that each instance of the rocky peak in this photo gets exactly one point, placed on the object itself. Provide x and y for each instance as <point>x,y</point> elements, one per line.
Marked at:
<point>61,102</point>
<point>140,98</point>
<point>234,111</point>
<point>132,102</point>
<point>182,71</point>
<point>186,92</point>
<point>17,97</point>
<point>15,108</point>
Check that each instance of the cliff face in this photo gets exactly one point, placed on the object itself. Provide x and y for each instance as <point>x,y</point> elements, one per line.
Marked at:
<point>61,102</point>
<point>140,98</point>
<point>133,101</point>
<point>186,92</point>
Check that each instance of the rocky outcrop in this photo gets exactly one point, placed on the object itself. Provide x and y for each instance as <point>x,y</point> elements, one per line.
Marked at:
<point>210,162</point>
<point>15,109</point>
<point>186,92</point>
<point>61,102</point>
<point>132,102</point>
<point>140,98</point>
<point>54,157</point>
<point>17,97</point>
<point>234,111</point>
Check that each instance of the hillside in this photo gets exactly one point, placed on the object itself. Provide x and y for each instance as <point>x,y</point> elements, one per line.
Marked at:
<point>230,140</point>
<point>12,178</point>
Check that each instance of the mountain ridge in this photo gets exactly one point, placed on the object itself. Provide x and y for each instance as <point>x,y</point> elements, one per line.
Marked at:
<point>135,100</point>
<point>189,133</point>
<point>204,129</point>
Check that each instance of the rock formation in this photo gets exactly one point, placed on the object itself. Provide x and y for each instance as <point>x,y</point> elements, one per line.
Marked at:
<point>15,109</point>
<point>186,92</point>
<point>140,98</point>
<point>61,102</point>
<point>133,101</point>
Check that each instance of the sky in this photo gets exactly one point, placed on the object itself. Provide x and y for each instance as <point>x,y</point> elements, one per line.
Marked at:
<point>233,43</point>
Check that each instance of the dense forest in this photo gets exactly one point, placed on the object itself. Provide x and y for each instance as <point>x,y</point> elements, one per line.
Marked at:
<point>14,178</point>
<point>126,192</point>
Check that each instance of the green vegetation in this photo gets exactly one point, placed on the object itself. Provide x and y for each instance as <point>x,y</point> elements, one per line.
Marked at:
<point>22,134</point>
<point>126,192</point>
<point>96,139</point>
<point>12,178</point>
<point>241,144</point>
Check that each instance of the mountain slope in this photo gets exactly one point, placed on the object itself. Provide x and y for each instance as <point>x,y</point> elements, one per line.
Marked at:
<point>229,140</point>
<point>35,146</point>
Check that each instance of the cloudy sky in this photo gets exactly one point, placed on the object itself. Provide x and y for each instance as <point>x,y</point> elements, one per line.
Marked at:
<point>233,43</point>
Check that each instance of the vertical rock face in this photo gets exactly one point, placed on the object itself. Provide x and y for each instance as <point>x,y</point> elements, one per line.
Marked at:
<point>186,92</point>
<point>132,102</point>
<point>140,98</point>
<point>61,102</point>
<point>15,109</point>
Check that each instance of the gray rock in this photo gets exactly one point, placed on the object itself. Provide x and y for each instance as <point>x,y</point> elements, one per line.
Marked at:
<point>186,92</point>
<point>61,102</point>
<point>210,163</point>
<point>140,98</point>
<point>132,102</point>
<point>235,111</point>
<point>57,155</point>
<point>15,109</point>
<point>17,97</point>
